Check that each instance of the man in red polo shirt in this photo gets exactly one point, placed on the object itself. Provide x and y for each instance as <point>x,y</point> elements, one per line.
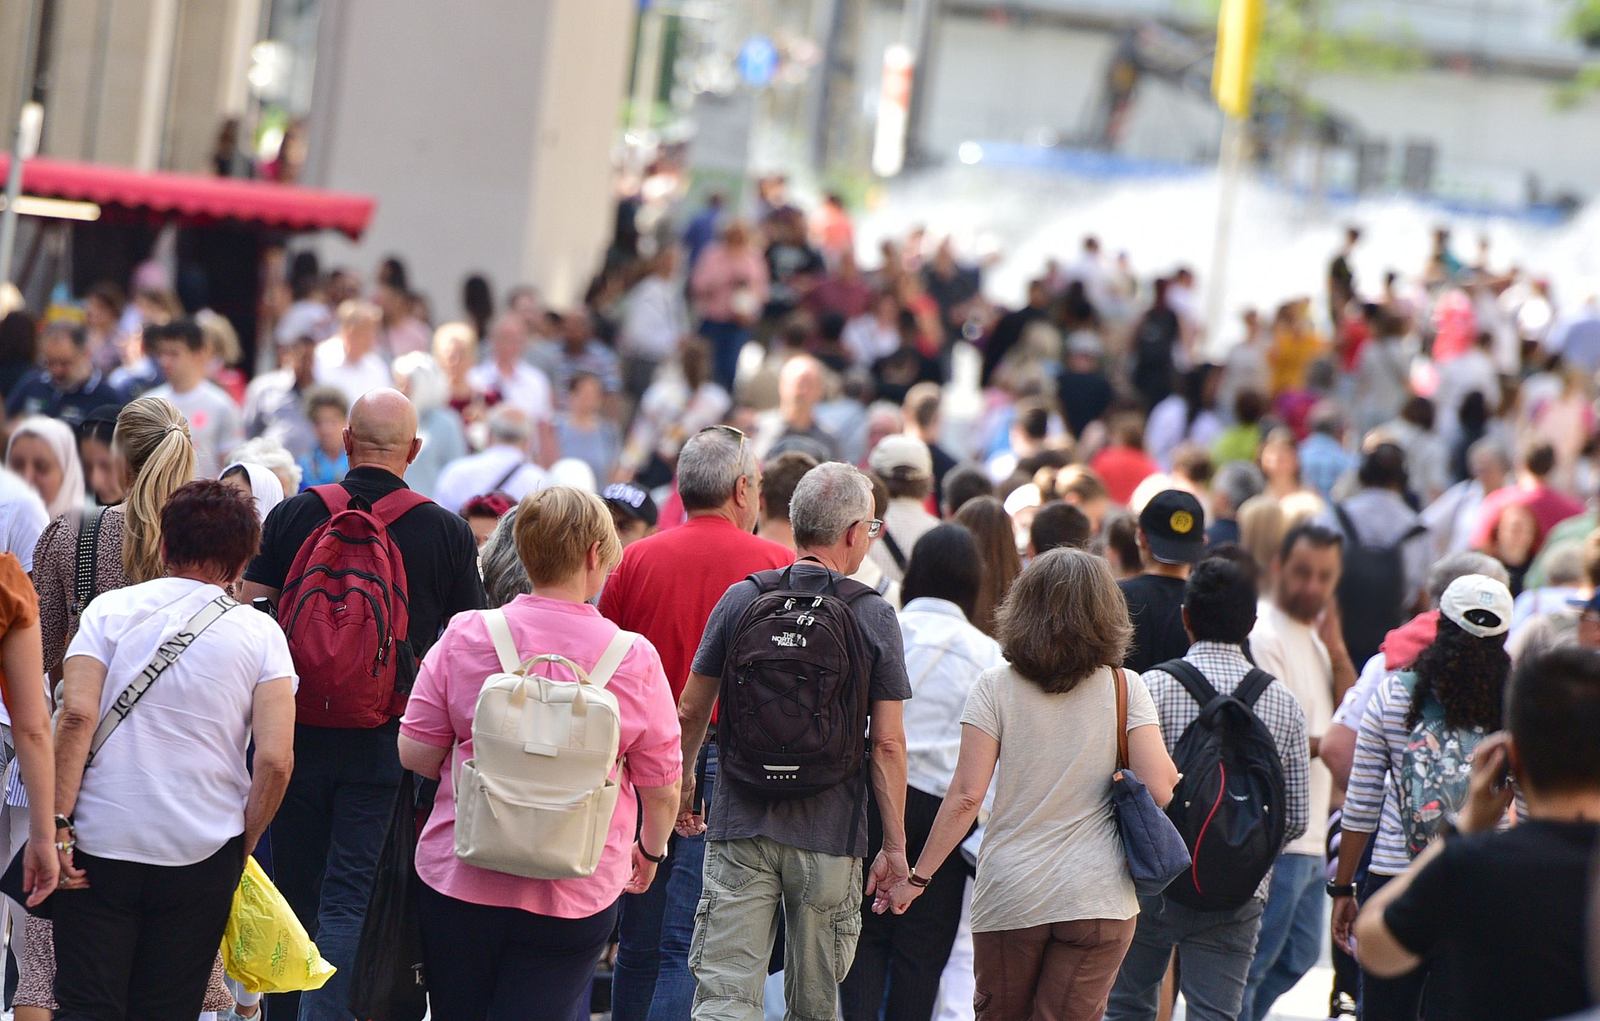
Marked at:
<point>665,589</point>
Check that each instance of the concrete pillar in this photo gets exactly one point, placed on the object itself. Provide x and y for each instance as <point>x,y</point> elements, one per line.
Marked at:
<point>485,137</point>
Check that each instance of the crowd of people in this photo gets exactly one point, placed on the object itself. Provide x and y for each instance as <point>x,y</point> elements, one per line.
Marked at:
<point>727,636</point>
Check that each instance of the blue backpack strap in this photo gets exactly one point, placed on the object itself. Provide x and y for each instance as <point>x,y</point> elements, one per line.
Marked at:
<point>1193,681</point>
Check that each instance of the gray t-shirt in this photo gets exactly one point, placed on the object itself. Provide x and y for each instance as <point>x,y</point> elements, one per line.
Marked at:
<point>820,823</point>
<point>215,423</point>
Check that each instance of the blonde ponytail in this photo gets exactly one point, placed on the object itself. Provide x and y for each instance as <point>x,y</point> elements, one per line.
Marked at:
<point>153,438</point>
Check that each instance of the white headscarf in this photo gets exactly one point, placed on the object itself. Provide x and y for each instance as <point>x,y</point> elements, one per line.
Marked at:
<point>264,486</point>
<point>58,436</point>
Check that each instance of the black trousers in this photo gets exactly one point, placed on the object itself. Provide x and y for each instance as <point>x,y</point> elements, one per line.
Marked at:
<point>501,964</point>
<point>906,954</point>
<point>1423,994</point>
<point>138,944</point>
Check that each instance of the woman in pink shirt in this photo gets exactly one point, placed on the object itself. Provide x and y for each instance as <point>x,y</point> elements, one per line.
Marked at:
<point>498,946</point>
<point>729,288</point>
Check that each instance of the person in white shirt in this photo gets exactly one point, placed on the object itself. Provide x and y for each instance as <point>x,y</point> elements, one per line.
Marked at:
<point>215,423</point>
<point>654,320</point>
<point>22,518</point>
<point>506,377</point>
<point>157,834</point>
<point>905,465</point>
<point>349,360</point>
<point>501,467</point>
<point>1453,518</point>
<point>1297,640</point>
<point>944,656</point>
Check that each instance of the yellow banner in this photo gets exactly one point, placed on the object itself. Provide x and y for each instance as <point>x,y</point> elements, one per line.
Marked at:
<point>1233,74</point>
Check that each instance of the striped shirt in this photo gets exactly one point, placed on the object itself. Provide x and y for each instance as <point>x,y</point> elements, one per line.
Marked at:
<point>1225,666</point>
<point>1371,804</point>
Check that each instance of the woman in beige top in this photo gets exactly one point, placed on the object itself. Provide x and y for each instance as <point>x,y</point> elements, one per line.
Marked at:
<point>1053,906</point>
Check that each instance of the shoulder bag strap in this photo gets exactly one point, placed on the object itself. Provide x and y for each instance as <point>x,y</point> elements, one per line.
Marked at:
<point>1345,523</point>
<point>500,634</point>
<point>87,574</point>
<point>500,486</point>
<point>1122,717</point>
<point>165,656</point>
<point>612,658</point>
<point>895,552</point>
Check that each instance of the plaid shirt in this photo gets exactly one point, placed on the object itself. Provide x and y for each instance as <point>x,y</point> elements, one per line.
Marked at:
<point>1225,666</point>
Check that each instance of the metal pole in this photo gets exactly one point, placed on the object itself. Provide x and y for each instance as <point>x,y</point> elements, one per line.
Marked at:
<point>647,69</point>
<point>1230,167</point>
<point>8,218</point>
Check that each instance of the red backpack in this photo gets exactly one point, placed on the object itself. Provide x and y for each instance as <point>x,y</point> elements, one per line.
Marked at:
<point>343,608</point>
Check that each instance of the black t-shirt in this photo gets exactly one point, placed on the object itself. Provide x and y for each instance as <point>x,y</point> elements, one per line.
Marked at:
<point>1502,915</point>
<point>440,554</point>
<point>1155,605</point>
<point>895,374</point>
<point>1085,396</point>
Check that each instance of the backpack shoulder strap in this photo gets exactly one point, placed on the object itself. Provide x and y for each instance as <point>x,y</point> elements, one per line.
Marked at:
<point>1345,522</point>
<point>850,590</point>
<point>334,497</point>
<point>1251,688</point>
<point>397,504</point>
<point>766,581</point>
<point>500,633</point>
<point>612,658</point>
<point>1193,681</point>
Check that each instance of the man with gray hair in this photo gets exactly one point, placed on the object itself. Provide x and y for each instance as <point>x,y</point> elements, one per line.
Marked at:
<point>665,589</point>
<point>501,467</point>
<point>1234,483</point>
<point>771,850</point>
<point>1453,517</point>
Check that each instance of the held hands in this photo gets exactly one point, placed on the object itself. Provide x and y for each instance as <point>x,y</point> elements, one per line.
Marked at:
<point>690,823</point>
<point>888,880</point>
<point>71,877</point>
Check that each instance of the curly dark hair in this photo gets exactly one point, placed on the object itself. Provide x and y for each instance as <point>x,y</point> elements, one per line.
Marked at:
<point>1466,675</point>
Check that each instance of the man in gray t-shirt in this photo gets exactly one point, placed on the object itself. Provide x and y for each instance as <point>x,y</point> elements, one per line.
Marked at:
<point>800,855</point>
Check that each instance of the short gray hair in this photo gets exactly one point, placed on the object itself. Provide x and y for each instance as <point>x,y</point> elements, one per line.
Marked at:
<point>1238,481</point>
<point>1491,447</point>
<point>509,424</point>
<point>274,457</point>
<point>1459,565</point>
<point>829,499</point>
<point>710,465</point>
<point>504,577</point>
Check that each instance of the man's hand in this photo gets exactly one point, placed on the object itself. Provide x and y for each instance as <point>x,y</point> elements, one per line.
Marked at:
<point>889,870</point>
<point>1345,910</point>
<point>1488,796</point>
<point>71,877</point>
<point>1330,628</point>
<point>896,900</point>
<point>690,823</point>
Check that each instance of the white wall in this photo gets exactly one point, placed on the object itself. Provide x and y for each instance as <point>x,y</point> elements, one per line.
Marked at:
<point>483,132</point>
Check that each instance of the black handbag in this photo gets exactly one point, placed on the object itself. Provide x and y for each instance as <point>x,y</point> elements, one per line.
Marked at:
<point>386,979</point>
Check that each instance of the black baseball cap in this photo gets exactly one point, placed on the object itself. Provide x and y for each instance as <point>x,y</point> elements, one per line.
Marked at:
<point>632,501</point>
<point>1174,526</point>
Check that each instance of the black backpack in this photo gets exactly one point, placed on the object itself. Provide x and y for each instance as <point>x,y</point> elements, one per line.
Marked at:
<point>792,717</point>
<point>1231,805</point>
<point>1371,594</point>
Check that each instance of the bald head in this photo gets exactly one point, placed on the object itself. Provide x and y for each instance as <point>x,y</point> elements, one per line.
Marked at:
<point>382,431</point>
<point>800,386</point>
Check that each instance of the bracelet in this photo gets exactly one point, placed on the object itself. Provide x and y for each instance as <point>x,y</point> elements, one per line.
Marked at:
<point>655,858</point>
<point>65,846</point>
<point>917,881</point>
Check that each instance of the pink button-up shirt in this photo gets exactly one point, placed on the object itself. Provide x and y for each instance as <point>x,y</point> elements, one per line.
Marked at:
<point>440,714</point>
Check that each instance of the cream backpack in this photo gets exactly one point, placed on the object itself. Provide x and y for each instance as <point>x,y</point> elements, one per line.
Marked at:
<point>537,797</point>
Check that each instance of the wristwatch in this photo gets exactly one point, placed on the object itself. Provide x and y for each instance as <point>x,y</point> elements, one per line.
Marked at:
<point>64,822</point>
<point>656,858</point>
<point>918,881</point>
<point>1337,890</point>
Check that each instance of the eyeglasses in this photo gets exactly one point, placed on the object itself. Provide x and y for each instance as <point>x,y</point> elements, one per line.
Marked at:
<point>731,431</point>
<point>874,526</point>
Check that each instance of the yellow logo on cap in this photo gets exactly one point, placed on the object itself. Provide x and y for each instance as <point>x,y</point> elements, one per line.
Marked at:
<point>1182,522</point>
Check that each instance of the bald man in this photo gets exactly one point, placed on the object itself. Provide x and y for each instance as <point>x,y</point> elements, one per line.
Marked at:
<point>793,426</point>
<point>327,836</point>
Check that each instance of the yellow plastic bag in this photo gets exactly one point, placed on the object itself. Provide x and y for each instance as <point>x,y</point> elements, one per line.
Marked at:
<point>265,947</point>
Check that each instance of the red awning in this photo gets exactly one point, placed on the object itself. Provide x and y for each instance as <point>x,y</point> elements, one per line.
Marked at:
<point>196,199</point>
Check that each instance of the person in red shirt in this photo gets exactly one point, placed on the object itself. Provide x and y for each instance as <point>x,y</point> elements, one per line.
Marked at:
<point>1124,464</point>
<point>665,589</point>
<point>1550,506</point>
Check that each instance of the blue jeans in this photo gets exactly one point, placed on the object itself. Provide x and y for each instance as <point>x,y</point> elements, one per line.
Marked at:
<point>1216,948</point>
<point>1292,928</point>
<point>727,340</point>
<point>652,980</point>
<point>327,838</point>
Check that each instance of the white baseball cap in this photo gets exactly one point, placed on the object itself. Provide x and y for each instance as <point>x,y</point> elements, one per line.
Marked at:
<point>901,455</point>
<point>1478,605</point>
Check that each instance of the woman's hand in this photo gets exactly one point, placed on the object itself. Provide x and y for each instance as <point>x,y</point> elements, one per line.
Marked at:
<point>644,872</point>
<point>71,877</point>
<point>896,899</point>
<point>1345,910</point>
<point>41,870</point>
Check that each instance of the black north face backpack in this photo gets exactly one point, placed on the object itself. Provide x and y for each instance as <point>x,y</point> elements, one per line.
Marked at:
<point>1231,805</point>
<point>793,704</point>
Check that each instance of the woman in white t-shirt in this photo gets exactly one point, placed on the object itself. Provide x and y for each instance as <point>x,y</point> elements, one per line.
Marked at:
<point>154,831</point>
<point>1053,906</point>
